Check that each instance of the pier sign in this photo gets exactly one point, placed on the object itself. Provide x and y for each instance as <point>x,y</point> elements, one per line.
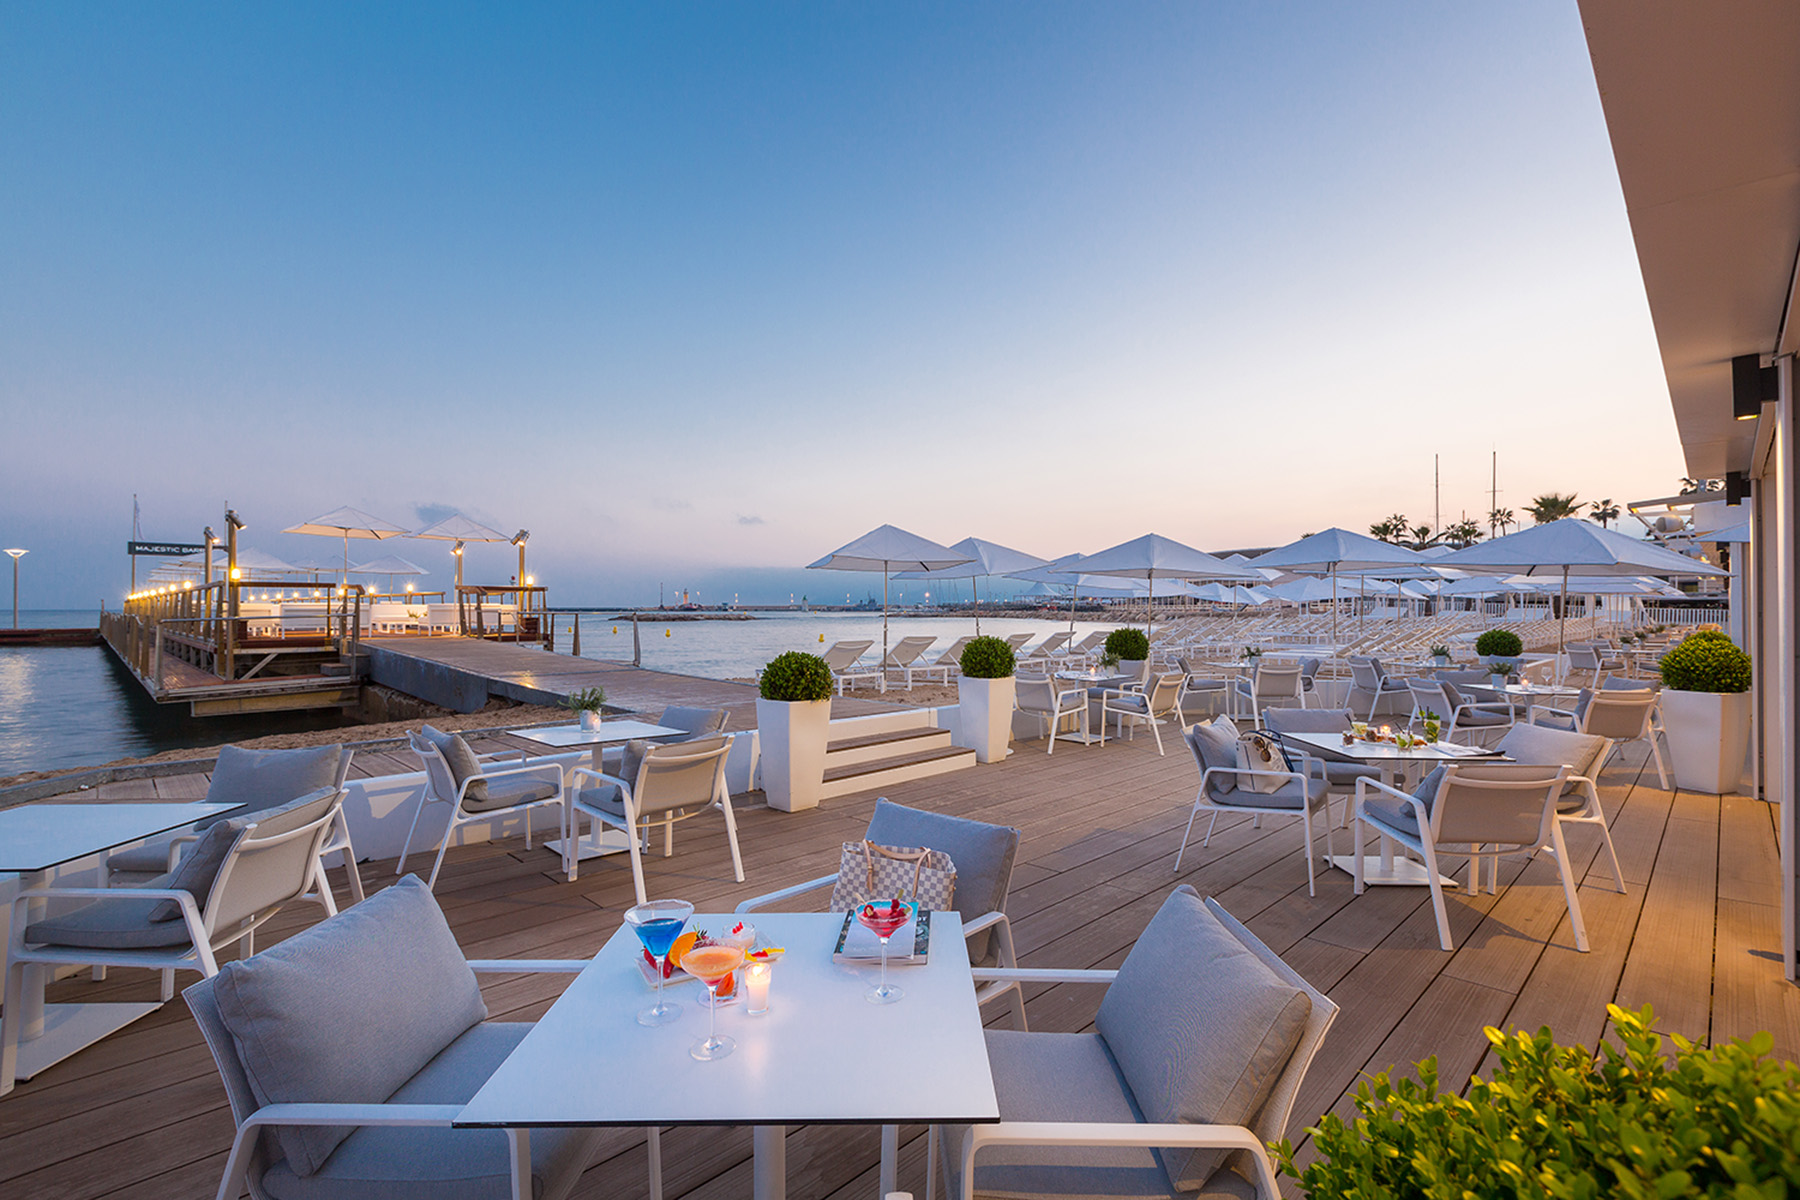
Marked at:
<point>163,549</point>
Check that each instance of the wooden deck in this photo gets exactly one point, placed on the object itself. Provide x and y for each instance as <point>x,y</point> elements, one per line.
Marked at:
<point>1696,934</point>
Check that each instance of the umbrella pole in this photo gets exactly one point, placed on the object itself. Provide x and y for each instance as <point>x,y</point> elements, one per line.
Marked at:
<point>1150,607</point>
<point>1074,594</point>
<point>884,615</point>
<point>975,591</point>
<point>1334,604</point>
<point>1562,615</point>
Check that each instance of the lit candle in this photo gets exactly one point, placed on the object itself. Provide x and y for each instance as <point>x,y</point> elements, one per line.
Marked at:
<point>756,988</point>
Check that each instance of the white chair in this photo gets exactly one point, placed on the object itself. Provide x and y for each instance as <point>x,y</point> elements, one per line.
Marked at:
<point>1160,700</point>
<point>1471,810</point>
<point>1617,713</point>
<point>1584,754</point>
<point>1224,789</point>
<point>347,1055</point>
<point>1198,1053</point>
<point>1088,648</point>
<point>658,784</point>
<point>1368,678</point>
<point>945,666</point>
<point>238,876</point>
<point>841,658</point>
<point>478,790</point>
<point>1017,641</point>
<point>1458,713</point>
<point>1340,777</point>
<point>904,658</point>
<point>1271,684</point>
<point>1041,699</point>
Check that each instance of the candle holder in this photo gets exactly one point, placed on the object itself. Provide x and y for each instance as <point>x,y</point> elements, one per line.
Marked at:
<point>757,977</point>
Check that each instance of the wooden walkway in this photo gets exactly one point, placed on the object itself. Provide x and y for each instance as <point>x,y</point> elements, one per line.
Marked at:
<point>1697,934</point>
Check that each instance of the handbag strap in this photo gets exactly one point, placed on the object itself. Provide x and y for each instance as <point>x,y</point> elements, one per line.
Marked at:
<point>917,859</point>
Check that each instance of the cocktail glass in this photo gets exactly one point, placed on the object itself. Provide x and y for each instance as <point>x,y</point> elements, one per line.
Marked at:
<point>882,918</point>
<point>657,925</point>
<point>711,965</point>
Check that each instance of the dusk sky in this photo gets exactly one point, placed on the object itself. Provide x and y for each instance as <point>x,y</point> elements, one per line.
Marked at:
<point>699,292</point>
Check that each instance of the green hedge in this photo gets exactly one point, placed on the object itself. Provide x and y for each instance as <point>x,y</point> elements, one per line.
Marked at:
<point>1502,642</point>
<point>1707,661</point>
<point>988,658</point>
<point>1133,644</point>
<point>1552,1124</point>
<point>796,676</point>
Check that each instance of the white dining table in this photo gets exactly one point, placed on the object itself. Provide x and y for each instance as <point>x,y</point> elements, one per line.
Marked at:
<point>35,839</point>
<point>1396,765</point>
<point>1087,680</point>
<point>600,839</point>
<point>822,1054</point>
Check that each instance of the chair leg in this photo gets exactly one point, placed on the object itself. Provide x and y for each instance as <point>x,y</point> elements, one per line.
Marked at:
<point>1662,772</point>
<point>168,985</point>
<point>9,1025</point>
<point>737,862</point>
<point>443,847</point>
<point>1154,728</point>
<point>669,837</point>
<point>1188,832</point>
<point>350,865</point>
<point>1568,883</point>
<point>637,864</point>
<point>400,867</point>
<point>1437,897</point>
<point>1306,833</point>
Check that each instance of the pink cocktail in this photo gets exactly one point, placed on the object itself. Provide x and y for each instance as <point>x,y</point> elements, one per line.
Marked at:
<point>883,918</point>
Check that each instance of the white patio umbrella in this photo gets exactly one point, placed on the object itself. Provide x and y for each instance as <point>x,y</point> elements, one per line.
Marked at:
<point>1154,557</point>
<point>347,523</point>
<point>985,558</point>
<point>1337,550</point>
<point>1058,572</point>
<point>887,549</point>
<point>459,529</point>
<point>1568,547</point>
<point>1308,590</point>
<point>391,565</point>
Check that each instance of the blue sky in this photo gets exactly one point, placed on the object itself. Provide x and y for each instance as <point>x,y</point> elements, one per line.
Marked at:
<point>697,293</point>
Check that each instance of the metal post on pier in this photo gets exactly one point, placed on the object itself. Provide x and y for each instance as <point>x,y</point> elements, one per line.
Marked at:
<point>575,633</point>
<point>637,650</point>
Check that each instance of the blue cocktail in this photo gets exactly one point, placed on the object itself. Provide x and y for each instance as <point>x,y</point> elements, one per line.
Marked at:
<point>657,925</point>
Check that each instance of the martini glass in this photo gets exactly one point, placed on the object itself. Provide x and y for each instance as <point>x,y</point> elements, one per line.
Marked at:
<point>882,918</point>
<point>657,925</point>
<point>712,965</point>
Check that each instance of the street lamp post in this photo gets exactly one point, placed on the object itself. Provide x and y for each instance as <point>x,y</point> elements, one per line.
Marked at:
<point>16,556</point>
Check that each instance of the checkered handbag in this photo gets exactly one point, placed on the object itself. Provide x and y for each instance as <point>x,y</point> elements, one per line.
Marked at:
<point>867,871</point>
<point>1261,750</point>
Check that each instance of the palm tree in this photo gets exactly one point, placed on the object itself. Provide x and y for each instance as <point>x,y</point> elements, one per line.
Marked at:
<point>1500,518</point>
<point>1464,533</point>
<point>1604,511</point>
<point>1553,506</point>
<point>1382,530</point>
<point>1691,486</point>
<point>1394,529</point>
<point>1421,536</point>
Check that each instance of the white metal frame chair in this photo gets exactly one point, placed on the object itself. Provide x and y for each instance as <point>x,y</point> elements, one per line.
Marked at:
<point>1488,808</point>
<point>1270,684</point>
<point>1266,1126</point>
<point>441,788</point>
<point>1311,787</point>
<point>1466,717</point>
<point>1366,675</point>
<point>1619,715</point>
<point>1041,698</point>
<point>263,871</point>
<point>1162,698</point>
<point>1585,754</point>
<point>673,782</point>
<point>841,658</point>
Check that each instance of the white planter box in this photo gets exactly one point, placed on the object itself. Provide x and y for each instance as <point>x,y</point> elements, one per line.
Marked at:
<point>984,716</point>
<point>792,739</point>
<point>1708,734</point>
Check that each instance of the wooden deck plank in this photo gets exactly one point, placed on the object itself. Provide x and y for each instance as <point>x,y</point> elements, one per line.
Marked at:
<point>1100,829</point>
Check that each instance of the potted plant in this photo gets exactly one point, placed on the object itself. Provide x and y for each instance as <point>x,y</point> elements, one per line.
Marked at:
<point>1441,655</point>
<point>1500,672</point>
<point>1706,711</point>
<point>984,698</point>
<point>587,706</point>
<point>1498,643</point>
<point>1131,647</point>
<point>793,722</point>
<point>1250,655</point>
<point>1651,1117</point>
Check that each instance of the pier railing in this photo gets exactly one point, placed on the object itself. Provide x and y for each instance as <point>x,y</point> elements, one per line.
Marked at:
<point>209,627</point>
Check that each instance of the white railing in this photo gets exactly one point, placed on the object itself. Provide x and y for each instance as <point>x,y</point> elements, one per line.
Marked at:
<point>1657,615</point>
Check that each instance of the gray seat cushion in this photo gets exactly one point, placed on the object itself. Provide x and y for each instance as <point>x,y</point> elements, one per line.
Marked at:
<point>150,858</point>
<point>348,1010</point>
<point>123,924</point>
<point>1288,795</point>
<point>983,855</point>
<point>1200,1027</point>
<point>510,790</point>
<point>1393,812</point>
<point>1343,774</point>
<point>438,1164</point>
<point>1214,745</point>
<point>460,759</point>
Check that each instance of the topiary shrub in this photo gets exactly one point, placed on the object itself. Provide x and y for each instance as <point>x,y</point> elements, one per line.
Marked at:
<point>796,677</point>
<point>1706,662</point>
<point>1133,644</point>
<point>1720,1122</point>
<point>1503,643</point>
<point>988,658</point>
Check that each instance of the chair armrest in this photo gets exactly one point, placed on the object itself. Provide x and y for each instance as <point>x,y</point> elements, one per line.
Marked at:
<point>175,845</point>
<point>1531,714</point>
<point>501,756</point>
<point>599,776</point>
<point>769,899</point>
<point>1062,697</point>
<point>1047,1133</point>
<point>1041,975</point>
<point>528,966</point>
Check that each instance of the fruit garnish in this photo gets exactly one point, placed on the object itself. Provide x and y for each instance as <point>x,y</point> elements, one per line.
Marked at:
<point>767,953</point>
<point>896,906</point>
<point>869,909</point>
<point>738,928</point>
<point>683,944</point>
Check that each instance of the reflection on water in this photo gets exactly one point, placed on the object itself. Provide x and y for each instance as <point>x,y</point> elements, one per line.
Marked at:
<point>73,706</point>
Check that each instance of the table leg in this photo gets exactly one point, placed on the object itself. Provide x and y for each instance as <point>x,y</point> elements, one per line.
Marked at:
<point>770,1167</point>
<point>520,1144</point>
<point>890,1160</point>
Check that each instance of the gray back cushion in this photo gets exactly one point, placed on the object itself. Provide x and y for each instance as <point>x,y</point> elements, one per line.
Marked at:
<point>1545,746</point>
<point>1307,720</point>
<point>983,855</point>
<point>260,779</point>
<point>460,759</point>
<point>1214,745</point>
<point>349,1010</point>
<point>195,873</point>
<point>1200,1027</point>
<point>694,722</point>
<point>1393,811</point>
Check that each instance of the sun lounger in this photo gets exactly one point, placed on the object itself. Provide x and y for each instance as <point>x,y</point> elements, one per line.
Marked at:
<point>905,657</point>
<point>841,658</point>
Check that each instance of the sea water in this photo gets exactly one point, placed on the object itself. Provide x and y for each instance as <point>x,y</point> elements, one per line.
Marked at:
<point>74,706</point>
